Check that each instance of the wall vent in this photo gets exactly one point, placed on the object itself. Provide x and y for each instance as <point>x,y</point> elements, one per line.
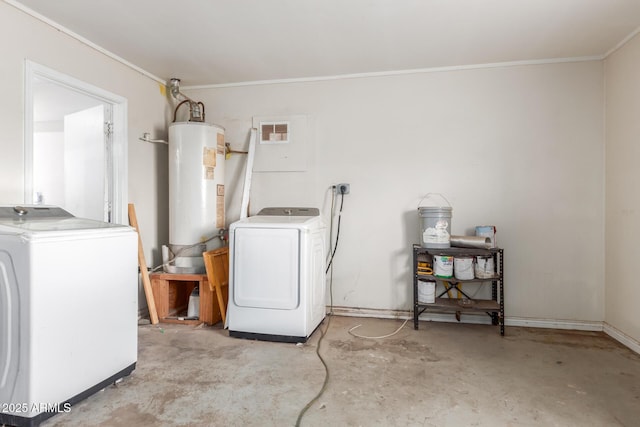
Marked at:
<point>274,132</point>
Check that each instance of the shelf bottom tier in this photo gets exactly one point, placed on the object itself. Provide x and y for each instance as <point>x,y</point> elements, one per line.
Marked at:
<point>454,305</point>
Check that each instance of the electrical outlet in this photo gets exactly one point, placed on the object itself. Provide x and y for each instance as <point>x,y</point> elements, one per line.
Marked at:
<point>342,188</point>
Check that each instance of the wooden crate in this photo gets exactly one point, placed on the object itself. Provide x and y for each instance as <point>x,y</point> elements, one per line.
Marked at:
<point>171,293</point>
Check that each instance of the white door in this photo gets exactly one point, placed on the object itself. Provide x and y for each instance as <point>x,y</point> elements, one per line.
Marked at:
<point>266,270</point>
<point>86,166</point>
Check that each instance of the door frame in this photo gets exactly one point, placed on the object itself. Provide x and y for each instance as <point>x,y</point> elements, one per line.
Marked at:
<point>119,135</point>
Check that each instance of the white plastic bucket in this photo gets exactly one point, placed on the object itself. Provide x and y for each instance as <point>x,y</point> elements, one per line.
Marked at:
<point>487,231</point>
<point>463,268</point>
<point>484,267</point>
<point>443,266</point>
<point>193,307</point>
<point>435,224</point>
<point>426,292</point>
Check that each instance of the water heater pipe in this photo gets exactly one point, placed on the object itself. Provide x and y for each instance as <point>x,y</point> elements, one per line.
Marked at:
<point>196,109</point>
<point>146,137</point>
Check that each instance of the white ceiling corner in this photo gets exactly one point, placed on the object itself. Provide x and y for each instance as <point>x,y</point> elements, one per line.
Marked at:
<point>221,42</point>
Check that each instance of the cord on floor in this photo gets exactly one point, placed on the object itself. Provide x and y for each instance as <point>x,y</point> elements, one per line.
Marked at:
<point>329,268</point>
<point>326,367</point>
<point>375,338</point>
<point>326,376</point>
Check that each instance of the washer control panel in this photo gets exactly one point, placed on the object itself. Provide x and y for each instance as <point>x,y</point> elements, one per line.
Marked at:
<point>289,212</point>
<point>33,212</point>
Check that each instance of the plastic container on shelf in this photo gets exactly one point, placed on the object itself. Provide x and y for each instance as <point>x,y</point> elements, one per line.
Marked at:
<point>488,231</point>
<point>435,224</point>
<point>463,267</point>
<point>426,292</point>
<point>484,268</point>
<point>443,266</point>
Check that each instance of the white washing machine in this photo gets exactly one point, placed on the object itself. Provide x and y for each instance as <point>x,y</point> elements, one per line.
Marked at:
<point>68,310</point>
<point>277,275</point>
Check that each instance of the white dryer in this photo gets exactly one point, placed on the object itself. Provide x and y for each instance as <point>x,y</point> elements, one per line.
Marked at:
<point>68,310</point>
<point>277,275</point>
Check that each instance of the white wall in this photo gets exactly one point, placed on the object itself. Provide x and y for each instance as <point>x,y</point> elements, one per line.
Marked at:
<point>517,147</point>
<point>23,37</point>
<point>623,198</point>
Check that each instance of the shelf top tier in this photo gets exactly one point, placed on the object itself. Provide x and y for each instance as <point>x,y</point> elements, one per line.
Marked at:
<point>457,251</point>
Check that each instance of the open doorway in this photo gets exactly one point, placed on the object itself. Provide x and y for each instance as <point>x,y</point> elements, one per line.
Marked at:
<point>75,146</point>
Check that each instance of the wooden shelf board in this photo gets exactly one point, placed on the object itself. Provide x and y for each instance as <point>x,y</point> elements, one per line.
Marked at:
<point>452,304</point>
<point>177,321</point>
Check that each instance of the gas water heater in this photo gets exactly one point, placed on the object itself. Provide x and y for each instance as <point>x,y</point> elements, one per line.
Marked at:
<point>196,194</point>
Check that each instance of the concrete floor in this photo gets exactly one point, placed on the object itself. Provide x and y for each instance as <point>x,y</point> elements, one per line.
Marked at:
<point>445,374</point>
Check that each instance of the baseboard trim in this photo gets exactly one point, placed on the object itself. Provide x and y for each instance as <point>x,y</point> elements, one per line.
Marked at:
<point>622,338</point>
<point>482,319</point>
<point>371,312</point>
<point>575,325</point>
<point>470,318</point>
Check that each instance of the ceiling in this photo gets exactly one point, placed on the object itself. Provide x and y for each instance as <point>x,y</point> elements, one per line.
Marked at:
<point>209,42</point>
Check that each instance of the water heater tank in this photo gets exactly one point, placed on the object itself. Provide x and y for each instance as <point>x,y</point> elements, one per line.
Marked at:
<point>196,194</point>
